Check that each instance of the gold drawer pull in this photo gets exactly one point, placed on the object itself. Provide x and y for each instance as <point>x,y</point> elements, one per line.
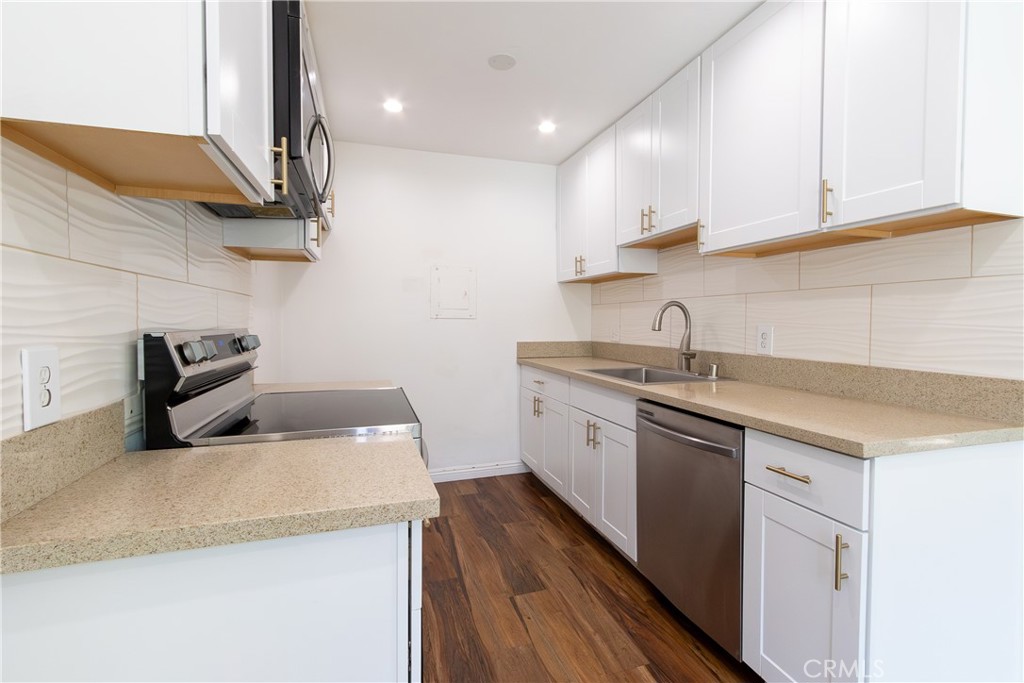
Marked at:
<point>840,574</point>
<point>538,381</point>
<point>806,479</point>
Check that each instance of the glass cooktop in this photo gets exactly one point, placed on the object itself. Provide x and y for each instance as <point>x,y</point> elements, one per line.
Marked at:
<point>306,414</point>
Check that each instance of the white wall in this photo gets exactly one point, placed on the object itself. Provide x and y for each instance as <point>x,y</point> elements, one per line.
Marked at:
<point>89,271</point>
<point>363,312</point>
<point>946,301</point>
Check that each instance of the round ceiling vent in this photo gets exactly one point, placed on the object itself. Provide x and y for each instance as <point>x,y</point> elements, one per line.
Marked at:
<point>501,62</point>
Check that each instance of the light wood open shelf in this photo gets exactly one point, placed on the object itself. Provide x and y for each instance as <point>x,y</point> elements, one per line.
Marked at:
<point>126,162</point>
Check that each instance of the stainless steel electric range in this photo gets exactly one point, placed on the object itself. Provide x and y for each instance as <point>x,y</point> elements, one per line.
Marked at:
<point>198,391</point>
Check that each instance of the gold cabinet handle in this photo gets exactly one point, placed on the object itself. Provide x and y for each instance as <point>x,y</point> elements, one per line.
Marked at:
<point>283,151</point>
<point>650,218</point>
<point>535,414</point>
<point>539,381</point>
<point>332,204</point>
<point>594,442</point>
<point>806,479</point>
<point>840,574</point>
<point>643,221</point>
<point>583,265</point>
<point>590,426</point>
<point>825,189</point>
<point>540,406</point>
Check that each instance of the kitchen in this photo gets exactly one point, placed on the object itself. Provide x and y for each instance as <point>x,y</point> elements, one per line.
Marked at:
<point>929,321</point>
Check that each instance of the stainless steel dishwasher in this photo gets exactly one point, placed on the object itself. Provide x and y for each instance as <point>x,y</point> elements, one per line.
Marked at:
<point>689,516</point>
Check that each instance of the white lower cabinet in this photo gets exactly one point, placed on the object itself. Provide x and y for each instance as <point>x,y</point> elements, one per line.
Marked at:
<point>555,466</point>
<point>583,465</point>
<point>801,619</point>
<point>531,430</point>
<point>334,606</point>
<point>616,477</point>
<point>585,452</point>
<point>896,568</point>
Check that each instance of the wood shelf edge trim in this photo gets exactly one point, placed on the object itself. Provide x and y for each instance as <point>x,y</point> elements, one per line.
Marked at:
<point>672,238</point>
<point>953,218</point>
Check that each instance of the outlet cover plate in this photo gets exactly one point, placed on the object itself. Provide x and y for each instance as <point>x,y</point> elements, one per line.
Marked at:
<point>765,341</point>
<point>40,386</point>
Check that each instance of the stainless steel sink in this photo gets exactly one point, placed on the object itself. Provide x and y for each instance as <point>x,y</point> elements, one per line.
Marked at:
<point>651,375</point>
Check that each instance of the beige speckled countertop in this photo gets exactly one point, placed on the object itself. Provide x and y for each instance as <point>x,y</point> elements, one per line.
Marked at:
<point>158,501</point>
<point>863,429</point>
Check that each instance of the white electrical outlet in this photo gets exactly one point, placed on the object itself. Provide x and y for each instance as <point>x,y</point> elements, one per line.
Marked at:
<point>765,339</point>
<point>40,386</point>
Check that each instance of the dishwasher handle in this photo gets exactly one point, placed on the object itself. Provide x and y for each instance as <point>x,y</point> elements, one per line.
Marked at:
<point>701,444</point>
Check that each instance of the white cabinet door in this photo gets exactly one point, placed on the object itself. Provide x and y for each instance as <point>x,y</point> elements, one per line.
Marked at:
<point>795,621</point>
<point>572,215</point>
<point>531,430</point>
<point>890,124</point>
<point>616,448</point>
<point>582,465</point>
<point>555,467</point>
<point>633,172</point>
<point>760,121</point>
<point>602,251</point>
<point>675,157</point>
<point>330,606</point>
<point>238,87</point>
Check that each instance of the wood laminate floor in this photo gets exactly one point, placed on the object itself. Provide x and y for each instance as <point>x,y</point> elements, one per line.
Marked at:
<point>516,587</point>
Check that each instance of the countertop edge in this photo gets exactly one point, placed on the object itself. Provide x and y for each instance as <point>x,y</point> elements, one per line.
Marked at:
<point>65,552</point>
<point>999,433</point>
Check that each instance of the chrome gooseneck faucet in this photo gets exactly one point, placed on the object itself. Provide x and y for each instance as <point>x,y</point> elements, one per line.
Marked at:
<point>685,354</point>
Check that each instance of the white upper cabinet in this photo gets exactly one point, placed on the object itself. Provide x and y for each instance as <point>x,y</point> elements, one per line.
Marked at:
<point>885,160</point>
<point>658,160</point>
<point>874,118</point>
<point>633,173</point>
<point>892,141</point>
<point>601,252</point>
<point>587,249</point>
<point>760,127</point>
<point>572,215</point>
<point>239,66</point>
<point>158,99</point>
<point>675,150</point>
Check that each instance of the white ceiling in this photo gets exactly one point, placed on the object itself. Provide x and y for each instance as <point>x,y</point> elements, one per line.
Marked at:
<point>580,64</point>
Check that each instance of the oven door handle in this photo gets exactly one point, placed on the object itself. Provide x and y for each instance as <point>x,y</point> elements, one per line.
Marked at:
<point>692,441</point>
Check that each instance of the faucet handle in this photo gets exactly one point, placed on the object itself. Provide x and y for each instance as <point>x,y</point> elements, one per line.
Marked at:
<point>713,370</point>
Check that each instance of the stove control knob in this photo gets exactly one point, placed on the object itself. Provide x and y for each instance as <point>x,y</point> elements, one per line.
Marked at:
<point>211,348</point>
<point>194,351</point>
<point>249,342</point>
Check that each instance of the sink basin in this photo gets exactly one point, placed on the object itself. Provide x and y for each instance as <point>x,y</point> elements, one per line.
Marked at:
<point>651,375</point>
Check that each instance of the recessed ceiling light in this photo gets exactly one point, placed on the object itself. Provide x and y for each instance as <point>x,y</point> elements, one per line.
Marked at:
<point>546,127</point>
<point>392,105</point>
<point>501,62</point>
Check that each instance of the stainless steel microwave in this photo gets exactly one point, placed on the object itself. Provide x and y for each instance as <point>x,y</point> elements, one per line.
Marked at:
<point>300,120</point>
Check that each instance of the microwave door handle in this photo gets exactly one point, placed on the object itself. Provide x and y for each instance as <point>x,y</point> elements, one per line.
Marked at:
<point>329,181</point>
<point>320,122</point>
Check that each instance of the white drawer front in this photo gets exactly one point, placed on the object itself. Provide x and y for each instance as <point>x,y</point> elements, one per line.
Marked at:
<point>545,383</point>
<point>838,484</point>
<point>611,405</point>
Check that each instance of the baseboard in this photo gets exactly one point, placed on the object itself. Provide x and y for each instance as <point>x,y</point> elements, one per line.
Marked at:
<point>478,471</point>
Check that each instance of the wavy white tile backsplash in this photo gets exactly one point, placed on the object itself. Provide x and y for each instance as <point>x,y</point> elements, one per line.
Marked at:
<point>947,301</point>
<point>87,270</point>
